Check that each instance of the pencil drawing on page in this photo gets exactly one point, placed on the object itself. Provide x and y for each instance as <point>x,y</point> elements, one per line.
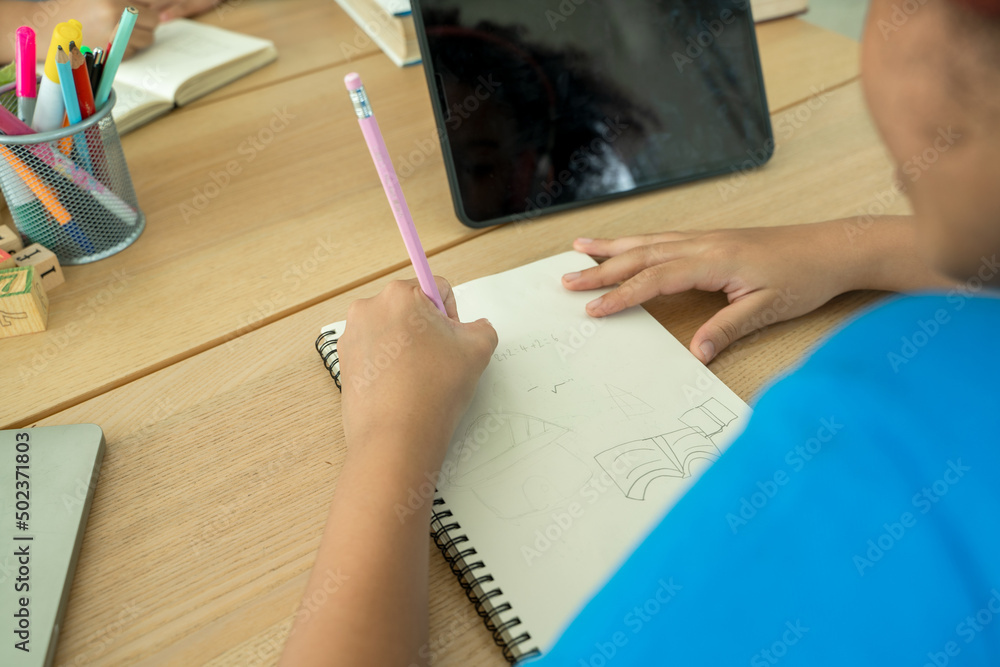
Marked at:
<point>635,465</point>
<point>517,465</point>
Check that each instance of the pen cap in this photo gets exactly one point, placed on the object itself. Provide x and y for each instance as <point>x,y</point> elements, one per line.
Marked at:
<point>62,35</point>
<point>26,82</point>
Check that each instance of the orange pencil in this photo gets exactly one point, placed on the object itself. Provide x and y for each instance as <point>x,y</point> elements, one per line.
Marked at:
<point>81,79</point>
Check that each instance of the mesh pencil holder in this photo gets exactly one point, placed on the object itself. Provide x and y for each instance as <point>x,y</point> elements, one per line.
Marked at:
<point>70,189</point>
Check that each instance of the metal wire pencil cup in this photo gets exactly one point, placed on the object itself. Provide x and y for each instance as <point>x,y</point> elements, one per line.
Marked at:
<point>70,189</point>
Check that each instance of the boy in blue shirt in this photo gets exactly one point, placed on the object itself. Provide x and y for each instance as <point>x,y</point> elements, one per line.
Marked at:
<point>873,538</point>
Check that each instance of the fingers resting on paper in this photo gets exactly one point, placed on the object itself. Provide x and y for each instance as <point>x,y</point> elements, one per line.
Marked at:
<point>768,274</point>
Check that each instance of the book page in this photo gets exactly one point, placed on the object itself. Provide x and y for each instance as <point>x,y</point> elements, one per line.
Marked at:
<point>582,433</point>
<point>182,50</point>
<point>395,7</point>
<point>133,105</point>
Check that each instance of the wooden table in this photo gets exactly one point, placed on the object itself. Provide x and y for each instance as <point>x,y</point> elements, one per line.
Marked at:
<point>193,348</point>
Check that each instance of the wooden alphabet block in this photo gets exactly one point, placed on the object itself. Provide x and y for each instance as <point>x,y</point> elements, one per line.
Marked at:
<point>46,264</point>
<point>10,241</point>
<point>24,307</point>
<point>6,260</point>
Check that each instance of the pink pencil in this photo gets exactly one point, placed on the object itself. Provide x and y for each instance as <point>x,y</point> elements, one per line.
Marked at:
<point>383,164</point>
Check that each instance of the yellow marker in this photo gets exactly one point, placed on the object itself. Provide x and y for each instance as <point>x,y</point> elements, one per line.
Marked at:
<point>49,108</point>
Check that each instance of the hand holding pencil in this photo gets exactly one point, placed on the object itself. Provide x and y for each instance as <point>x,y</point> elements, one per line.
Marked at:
<point>393,191</point>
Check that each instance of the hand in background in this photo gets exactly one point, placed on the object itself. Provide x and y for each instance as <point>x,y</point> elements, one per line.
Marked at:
<point>177,9</point>
<point>769,274</point>
<point>98,17</point>
<point>408,371</point>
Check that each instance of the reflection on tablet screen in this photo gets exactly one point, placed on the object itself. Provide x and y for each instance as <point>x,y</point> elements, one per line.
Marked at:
<point>545,104</point>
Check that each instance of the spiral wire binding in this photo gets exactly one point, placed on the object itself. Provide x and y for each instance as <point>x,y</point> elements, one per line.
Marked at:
<point>326,345</point>
<point>445,531</point>
<point>471,575</point>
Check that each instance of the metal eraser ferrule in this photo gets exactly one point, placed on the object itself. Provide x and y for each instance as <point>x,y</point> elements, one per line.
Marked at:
<point>360,99</point>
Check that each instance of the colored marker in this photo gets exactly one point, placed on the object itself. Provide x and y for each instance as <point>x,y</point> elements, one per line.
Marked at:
<point>49,108</point>
<point>95,75</point>
<point>27,84</point>
<point>115,53</point>
<point>390,183</point>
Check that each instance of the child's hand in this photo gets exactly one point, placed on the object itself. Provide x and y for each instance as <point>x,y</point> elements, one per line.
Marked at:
<point>176,9</point>
<point>769,274</point>
<point>99,18</point>
<point>408,371</point>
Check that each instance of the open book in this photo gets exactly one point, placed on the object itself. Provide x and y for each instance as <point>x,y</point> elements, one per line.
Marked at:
<point>581,435</point>
<point>187,60</point>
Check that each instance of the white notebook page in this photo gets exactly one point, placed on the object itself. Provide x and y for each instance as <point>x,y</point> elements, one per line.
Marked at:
<point>581,435</point>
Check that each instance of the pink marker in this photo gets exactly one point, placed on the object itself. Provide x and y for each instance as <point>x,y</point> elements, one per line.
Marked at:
<point>383,164</point>
<point>27,85</point>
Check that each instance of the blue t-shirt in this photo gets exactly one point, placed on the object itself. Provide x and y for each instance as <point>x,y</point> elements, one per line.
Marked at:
<point>855,522</point>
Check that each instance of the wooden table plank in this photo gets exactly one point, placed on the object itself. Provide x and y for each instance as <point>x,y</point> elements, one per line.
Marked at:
<point>220,468</point>
<point>302,220</point>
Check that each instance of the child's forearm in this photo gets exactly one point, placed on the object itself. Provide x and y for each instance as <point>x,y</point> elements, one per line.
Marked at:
<point>885,256</point>
<point>367,595</point>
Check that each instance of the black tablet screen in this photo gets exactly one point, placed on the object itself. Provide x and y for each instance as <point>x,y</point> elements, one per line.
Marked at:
<point>545,104</point>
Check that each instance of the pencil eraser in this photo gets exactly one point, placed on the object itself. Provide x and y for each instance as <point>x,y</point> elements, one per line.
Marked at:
<point>352,81</point>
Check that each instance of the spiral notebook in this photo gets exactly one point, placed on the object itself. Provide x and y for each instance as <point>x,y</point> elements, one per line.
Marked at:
<point>581,435</point>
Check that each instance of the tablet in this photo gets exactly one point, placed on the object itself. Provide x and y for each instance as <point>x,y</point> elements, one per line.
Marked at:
<point>543,105</point>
